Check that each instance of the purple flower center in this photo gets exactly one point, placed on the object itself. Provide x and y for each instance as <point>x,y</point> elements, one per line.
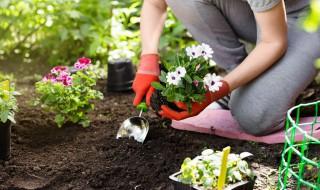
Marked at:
<point>212,83</point>
<point>173,78</point>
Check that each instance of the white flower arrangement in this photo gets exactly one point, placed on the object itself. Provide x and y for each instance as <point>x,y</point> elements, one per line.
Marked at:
<point>188,78</point>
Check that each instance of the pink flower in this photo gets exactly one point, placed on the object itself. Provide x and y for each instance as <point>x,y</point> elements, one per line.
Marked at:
<point>84,60</point>
<point>62,76</point>
<point>58,69</point>
<point>82,63</point>
<point>49,77</point>
<point>59,74</point>
<point>65,79</point>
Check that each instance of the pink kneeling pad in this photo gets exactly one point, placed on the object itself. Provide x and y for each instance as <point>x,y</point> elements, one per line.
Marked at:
<point>221,123</point>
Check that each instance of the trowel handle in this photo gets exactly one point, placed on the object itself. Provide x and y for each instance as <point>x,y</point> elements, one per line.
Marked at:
<point>142,107</point>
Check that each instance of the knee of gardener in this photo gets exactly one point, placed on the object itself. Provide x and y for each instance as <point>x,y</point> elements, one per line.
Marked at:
<point>258,127</point>
<point>258,121</point>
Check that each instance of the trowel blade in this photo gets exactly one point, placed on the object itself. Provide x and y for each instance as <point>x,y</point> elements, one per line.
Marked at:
<point>136,127</point>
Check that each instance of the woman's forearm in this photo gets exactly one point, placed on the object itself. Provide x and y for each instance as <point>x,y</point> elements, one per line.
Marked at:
<point>259,60</point>
<point>153,17</point>
<point>272,46</point>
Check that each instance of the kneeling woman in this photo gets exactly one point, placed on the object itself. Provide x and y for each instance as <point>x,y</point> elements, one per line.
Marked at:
<point>264,83</point>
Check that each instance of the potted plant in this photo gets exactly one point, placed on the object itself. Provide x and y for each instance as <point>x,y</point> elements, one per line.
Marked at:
<point>187,79</point>
<point>8,107</point>
<point>202,172</point>
<point>68,93</point>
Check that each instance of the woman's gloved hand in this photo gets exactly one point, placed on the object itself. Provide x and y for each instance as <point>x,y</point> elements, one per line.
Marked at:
<point>210,97</point>
<point>147,73</point>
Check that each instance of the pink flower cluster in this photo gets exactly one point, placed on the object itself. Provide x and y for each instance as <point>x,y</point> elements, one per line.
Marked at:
<point>61,74</point>
<point>82,63</point>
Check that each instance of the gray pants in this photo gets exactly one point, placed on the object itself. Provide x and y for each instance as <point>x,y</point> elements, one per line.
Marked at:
<point>259,107</point>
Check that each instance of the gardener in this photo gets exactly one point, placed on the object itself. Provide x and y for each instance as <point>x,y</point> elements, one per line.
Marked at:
<point>264,83</point>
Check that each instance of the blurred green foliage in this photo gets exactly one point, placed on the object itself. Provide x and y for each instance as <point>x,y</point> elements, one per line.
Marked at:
<point>5,76</point>
<point>58,31</point>
<point>312,22</point>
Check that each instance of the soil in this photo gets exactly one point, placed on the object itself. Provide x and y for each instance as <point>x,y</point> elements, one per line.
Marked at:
<point>47,157</point>
<point>157,100</point>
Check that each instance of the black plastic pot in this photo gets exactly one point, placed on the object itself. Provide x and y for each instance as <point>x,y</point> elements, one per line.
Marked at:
<point>5,140</point>
<point>244,185</point>
<point>120,76</point>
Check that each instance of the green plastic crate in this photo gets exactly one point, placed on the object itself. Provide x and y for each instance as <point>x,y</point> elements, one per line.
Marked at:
<point>297,162</point>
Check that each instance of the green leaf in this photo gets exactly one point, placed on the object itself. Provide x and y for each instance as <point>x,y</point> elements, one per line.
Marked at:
<point>197,78</point>
<point>85,123</point>
<point>188,79</point>
<point>11,118</point>
<point>237,175</point>
<point>59,119</point>
<point>4,116</point>
<point>179,97</point>
<point>162,77</point>
<point>158,86</point>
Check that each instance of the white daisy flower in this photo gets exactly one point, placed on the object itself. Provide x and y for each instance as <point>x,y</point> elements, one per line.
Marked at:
<point>213,82</point>
<point>181,71</point>
<point>173,78</point>
<point>193,51</point>
<point>205,50</point>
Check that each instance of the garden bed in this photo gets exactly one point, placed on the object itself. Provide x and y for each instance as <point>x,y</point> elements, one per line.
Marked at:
<point>46,157</point>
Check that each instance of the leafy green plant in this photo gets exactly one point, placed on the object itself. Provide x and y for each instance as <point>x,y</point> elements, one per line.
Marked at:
<point>69,95</point>
<point>204,170</point>
<point>188,78</point>
<point>8,104</point>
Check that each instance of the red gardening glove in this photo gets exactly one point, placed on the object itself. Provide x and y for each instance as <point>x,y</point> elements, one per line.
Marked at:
<point>147,73</point>
<point>196,107</point>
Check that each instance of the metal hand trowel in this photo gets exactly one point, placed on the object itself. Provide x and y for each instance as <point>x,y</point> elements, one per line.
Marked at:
<point>136,127</point>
